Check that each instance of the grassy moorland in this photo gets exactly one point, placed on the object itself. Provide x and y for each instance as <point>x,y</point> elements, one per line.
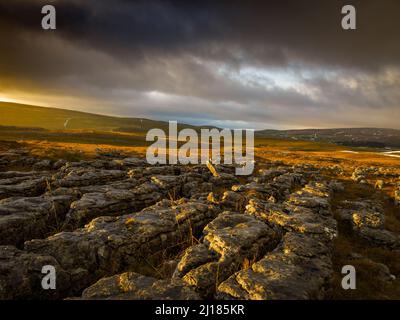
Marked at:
<point>28,116</point>
<point>19,115</point>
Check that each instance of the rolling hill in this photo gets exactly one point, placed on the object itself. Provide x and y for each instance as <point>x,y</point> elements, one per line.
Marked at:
<point>352,137</point>
<point>28,116</point>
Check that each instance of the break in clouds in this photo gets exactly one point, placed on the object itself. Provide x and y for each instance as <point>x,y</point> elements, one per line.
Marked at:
<point>249,64</point>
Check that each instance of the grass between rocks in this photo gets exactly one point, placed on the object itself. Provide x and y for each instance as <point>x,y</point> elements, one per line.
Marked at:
<point>369,285</point>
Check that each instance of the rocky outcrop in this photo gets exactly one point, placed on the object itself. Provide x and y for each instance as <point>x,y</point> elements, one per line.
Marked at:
<point>306,211</point>
<point>108,245</point>
<point>280,186</point>
<point>229,241</point>
<point>300,267</point>
<point>116,228</point>
<point>28,218</point>
<point>29,185</point>
<point>366,219</point>
<point>133,286</point>
<point>21,275</point>
<point>75,177</point>
<point>113,201</point>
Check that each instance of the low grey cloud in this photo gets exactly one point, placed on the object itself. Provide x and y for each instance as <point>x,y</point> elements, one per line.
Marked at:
<point>270,64</point>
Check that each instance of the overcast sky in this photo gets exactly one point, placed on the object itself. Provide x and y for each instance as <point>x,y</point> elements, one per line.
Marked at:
<point>270,64</point>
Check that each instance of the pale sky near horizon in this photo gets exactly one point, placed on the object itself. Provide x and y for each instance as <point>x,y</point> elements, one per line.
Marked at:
<point>270,64</point>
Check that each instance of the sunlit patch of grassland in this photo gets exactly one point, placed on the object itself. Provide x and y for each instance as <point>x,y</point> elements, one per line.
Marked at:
<point>77,151</point>
<point>319,154</point>
<point>61,143</point>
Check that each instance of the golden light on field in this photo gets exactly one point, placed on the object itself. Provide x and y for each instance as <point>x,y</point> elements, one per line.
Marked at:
<point>5,98</point>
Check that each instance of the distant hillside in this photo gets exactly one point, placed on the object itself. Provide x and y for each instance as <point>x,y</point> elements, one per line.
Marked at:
<point>354,137</point>
<point>28,116</point>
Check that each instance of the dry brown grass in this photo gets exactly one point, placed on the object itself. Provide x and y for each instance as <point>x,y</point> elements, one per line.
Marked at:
<point>65,150</point>
<point>368,287</point>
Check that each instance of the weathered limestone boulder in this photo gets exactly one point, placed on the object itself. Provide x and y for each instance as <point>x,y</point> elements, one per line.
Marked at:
<point>250,187</point>
<point>154,170</point>
<point>93,205</point>
<point>288,180</point>
<point>234,201</point>
<point>22,186</point>
<point>115,201</point>
<point>11,154</point>
<point>133,286</point>
<point>262,208</point>
<point>100,164</point>
<point>193,257</point>
<point>118,198</point>
<point>194,188</point>
<point>21,275</point>
<point>43,165</point>
<point>277,189</point>
<point>131,162</point>
<point>300,268</point>
<point>314,196</point>
<point>367,220</point>
<point>167,181</point>
<point>59,164</point>
<point>230,241</point>
<point>371,219</point>
<point>109,245</point>
<point>124,184</point>
<point>224,179</point>
<point>18,174</point>
<point>230,234</point>
<point>306,211</point>
<point>23,219</point>
<point>295,218</point>
<point>75,177</point>
<point>13,180</point>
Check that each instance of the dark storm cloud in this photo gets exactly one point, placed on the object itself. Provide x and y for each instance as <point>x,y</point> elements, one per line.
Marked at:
<point>243,31</point>
<point>197,52</point>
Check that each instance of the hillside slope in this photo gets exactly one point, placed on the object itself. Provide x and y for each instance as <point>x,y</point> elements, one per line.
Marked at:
<point>355,137</point>
<point>20,115</point>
